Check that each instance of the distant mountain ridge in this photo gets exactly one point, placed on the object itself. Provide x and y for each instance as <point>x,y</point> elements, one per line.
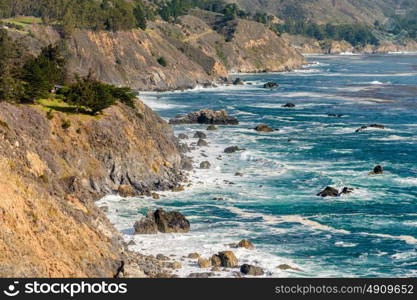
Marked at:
<point>329,11</point>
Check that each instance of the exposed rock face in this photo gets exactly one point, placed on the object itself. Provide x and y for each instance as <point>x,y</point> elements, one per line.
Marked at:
<point>171,221</point>
<point>49,224</point>
<point>206,116</point>
<point>329,192</point>
<point>195,52</point>
<point>251,270</point>
<point>146,225</point>
<point>263,128</point>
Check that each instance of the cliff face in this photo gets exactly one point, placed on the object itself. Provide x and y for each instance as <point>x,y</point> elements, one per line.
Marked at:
<point>308,45</point>
<point>49,224</point>
<point>195,53</point>
<point>239,45</point>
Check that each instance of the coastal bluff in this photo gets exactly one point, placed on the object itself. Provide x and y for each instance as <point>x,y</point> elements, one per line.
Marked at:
<point>54,165</point>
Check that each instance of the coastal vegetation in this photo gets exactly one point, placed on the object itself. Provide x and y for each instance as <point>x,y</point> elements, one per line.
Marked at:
<point>26,79</point>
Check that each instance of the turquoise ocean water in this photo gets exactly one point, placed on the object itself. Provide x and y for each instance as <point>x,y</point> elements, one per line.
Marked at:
<point>371,232</point>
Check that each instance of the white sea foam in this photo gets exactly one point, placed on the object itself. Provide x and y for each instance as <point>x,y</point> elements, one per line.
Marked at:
<point>406,238</point>
<point>344,244</point>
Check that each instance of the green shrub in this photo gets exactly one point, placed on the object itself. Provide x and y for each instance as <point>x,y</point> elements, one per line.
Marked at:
<point>162,61</point>
<point>49,115</point>
<point>66,124</point>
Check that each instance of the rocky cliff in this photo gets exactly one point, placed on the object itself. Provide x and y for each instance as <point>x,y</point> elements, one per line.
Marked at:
<point>53,167</point>
<point>308,45</point>
<point>200,49</point>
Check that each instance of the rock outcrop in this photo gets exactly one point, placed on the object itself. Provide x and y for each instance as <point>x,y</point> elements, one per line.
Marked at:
<point>263,128</point>
<point>206,116</point>
<point>162,221</point>
<point>251,270</point>
<point>50,177</point>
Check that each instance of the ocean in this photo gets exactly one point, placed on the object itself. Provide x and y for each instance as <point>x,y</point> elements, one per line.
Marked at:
<point>371,232</point>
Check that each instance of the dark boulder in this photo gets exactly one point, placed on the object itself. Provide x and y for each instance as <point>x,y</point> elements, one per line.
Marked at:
<point>202,143</point>
<point>200,135</point>
<point>377,170</point>
<point>335,115</point>
<point>377,126</point>
<point>263,128</point>
<point>238,81</point>
<point>232,149</point>
<point>205,165</point>
<point>183,136</point>
<point>347,190</point>
<point>329,192</point>
<point>289,105</point>
<point>146,225</point>
<point>162,221</point>
<point>206,116</point>
<point>172,221</point>
<point>270,85</point>
<point>251,270</point>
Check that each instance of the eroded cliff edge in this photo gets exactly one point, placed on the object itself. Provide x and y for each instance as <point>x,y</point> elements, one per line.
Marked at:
<point>52,170</point>
<point>201,48</point>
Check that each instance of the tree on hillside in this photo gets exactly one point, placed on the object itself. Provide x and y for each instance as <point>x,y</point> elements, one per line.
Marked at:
<point>140,14</point>
<point>89,95</point>
<point>42,73</point>
<point>11,58</point>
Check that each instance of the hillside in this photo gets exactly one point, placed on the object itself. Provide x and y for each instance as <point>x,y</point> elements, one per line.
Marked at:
<point>200,48</point>
<point>51,174</point>
<point>325,11</point>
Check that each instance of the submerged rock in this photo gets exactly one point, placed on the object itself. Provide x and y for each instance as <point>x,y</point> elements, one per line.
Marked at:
<point>245,244</point>
<point>183,136</point>
<point>335,115</point>
<point>377,126</point>
<point>205,165</point>
<point>347,190</point>
<point>202,143</point>
<point>206,116</point>
<point>329,192</point>
<point>212,127</point>
<point>251,270</point>
<point>200,135</point>
<point>238,81</point>
<point>286,267</point>
<point>377,170</point>
<point>263,128</point>
<point>289,105</point>
<point>270,85</point>
<point>232,149</point>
